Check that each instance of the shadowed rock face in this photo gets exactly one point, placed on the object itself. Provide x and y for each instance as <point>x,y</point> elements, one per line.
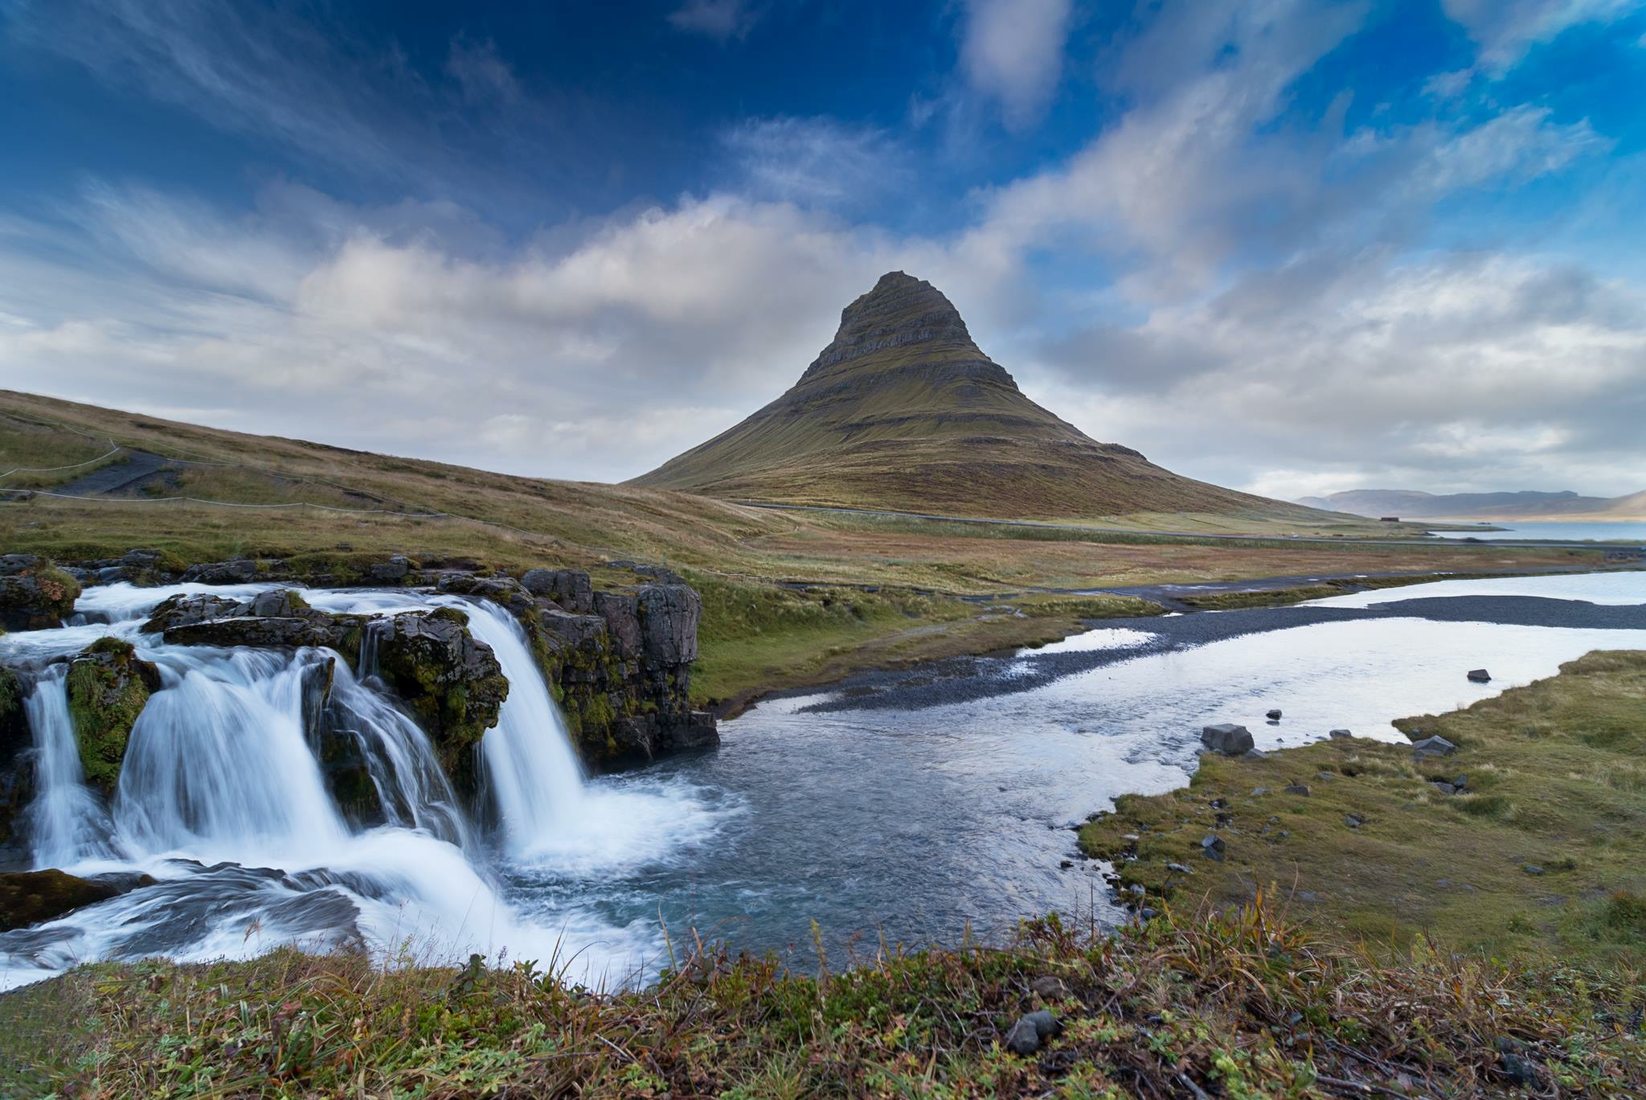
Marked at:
<point>903,411</point>
<point>899,311</point>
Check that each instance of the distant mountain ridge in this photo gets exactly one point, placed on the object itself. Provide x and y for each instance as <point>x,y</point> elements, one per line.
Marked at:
<point>1525,505</point>
<point>902,411</point>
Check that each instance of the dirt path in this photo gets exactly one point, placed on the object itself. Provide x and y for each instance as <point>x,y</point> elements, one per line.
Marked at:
<point>127,472</point>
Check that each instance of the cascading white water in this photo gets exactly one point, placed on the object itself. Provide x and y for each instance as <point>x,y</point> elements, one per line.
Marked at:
<point>532,772</point>
<point>412,789</point>
<point>67,822</point>
<point>218,765</point>
<point>531,769</point>
<point>223,799</point>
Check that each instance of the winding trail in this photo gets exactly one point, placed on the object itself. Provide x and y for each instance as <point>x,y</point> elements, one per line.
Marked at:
<point>127,472</point>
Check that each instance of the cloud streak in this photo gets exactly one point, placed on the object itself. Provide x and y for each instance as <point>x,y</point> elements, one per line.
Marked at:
<point>1012,52</point>
<point>1253,290</point>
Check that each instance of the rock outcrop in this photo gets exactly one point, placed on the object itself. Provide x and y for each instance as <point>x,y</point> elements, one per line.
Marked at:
<point>32,897</point>
<point>108,686</point>
<point>570,589</point>
<point>278,617</point>
<point>1227,738</point>
<point>34,594</point>
<point>624,672</point>
<point>618,660</point>
<point>450,681</point>
<point>16,767</point>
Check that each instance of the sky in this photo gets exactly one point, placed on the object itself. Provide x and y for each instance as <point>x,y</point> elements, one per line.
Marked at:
<point>1292,247</point>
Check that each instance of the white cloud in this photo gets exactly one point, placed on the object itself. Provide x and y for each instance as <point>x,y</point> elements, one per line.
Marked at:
<point>1505,30</point>
<point>815,161</point>
<point>1522,143</point>
<point>1473,371</point>
<point>1190,171</point>
<point>719,19</point>
<point>1012,51</point>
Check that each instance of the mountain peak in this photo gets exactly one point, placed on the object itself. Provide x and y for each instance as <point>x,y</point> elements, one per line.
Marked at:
<point>902,411</point>
<point>899,311</point>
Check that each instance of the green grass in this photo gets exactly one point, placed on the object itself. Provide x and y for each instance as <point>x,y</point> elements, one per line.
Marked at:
<point>1087,607</point>
<point>1244,1005</point>
<point>1555,780</point>
<point>1268,597</point>
<point>758,638</point>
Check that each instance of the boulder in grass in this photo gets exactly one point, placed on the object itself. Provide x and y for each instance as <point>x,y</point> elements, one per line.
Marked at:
<point>1227,738</point>
<point>1432,746</point>
<point>1340,735</point>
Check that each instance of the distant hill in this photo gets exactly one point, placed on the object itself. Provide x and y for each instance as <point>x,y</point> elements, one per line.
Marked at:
<point>903,412</point>
<point>1411,504</point>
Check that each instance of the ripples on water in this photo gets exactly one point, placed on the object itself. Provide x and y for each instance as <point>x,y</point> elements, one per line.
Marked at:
<point>885,810</point>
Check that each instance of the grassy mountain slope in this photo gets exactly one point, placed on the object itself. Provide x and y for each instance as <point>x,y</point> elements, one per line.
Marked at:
<point>903,412</point>
<point>789,597</point>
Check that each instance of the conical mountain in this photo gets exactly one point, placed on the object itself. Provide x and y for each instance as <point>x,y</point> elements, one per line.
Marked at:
<point>902,411</point>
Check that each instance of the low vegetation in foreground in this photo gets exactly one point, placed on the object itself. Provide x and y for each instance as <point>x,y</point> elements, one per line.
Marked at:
<point>1249,1004</point>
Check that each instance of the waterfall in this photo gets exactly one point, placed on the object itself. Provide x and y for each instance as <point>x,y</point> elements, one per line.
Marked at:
<point>224,800</point>
<point>532,772</point>
<point>67,820</point>
<point>411,786</point>
<point>218,765</point>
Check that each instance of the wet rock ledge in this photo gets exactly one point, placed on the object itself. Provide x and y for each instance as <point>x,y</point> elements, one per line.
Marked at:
<point>617,659</point>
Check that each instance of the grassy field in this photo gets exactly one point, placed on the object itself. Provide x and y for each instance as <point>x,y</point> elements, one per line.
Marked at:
<point>755,639</point>
<point>273,497</point>
<point>1539,852</point>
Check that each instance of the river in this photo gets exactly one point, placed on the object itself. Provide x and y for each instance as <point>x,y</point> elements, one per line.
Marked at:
<point>916,807</point>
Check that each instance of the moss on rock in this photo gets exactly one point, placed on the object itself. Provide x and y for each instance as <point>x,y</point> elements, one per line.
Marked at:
<point>452,683</point>
<point>11,703</point>
<point>34,593</point>
<point>108,686</point>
